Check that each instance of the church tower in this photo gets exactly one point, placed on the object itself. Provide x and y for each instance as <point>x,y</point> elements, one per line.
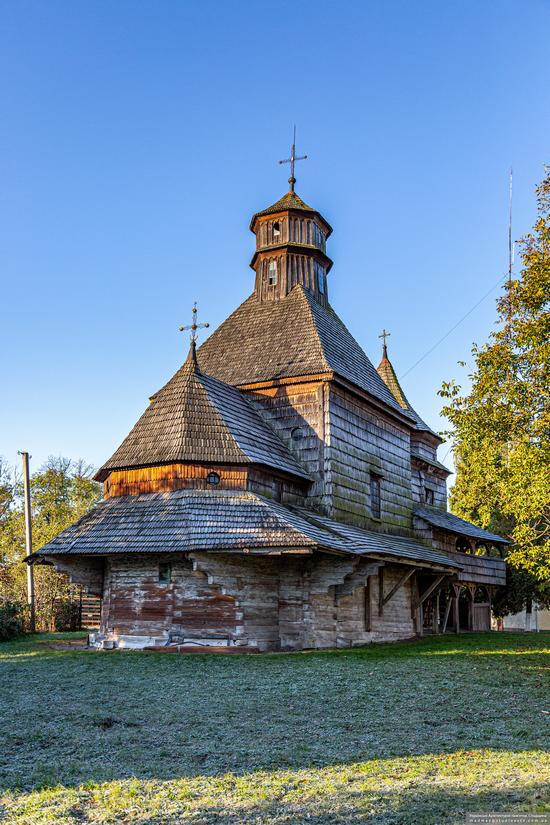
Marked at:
<point>290,246</point>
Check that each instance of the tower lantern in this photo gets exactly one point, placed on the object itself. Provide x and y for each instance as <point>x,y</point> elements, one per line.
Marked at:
<point>290,246</point>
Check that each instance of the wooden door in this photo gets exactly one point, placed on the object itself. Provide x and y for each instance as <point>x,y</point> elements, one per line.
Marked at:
<point>481,618</point>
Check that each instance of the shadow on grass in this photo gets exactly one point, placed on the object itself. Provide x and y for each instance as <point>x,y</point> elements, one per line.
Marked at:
<point>73,717</point>
<point>428,790</point>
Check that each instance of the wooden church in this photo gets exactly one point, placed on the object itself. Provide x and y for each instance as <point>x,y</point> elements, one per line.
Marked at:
<point>279,492</point>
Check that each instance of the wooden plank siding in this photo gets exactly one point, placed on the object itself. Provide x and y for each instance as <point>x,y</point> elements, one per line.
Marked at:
<point>298,410</point>
<point>166,477</point>
<point>363,441</point>
<point>476,569</point>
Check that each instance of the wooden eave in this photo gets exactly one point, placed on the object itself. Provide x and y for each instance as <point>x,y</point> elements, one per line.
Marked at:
<point>299,248</point>
<point>433,439</point>
<point>375,402</point>
<point>103,474</point>
<point>332,376</point>
<point>451,570</point>
<point>416,459</point>
<point>294,211</point>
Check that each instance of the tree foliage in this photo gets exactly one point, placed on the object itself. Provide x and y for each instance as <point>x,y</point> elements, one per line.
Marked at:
<point>61,492</point>
<point>500,427</point>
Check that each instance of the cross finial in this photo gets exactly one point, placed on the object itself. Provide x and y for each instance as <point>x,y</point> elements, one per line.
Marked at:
<point>194,326</point>
<point>292,160</point>
<point>385,334</point>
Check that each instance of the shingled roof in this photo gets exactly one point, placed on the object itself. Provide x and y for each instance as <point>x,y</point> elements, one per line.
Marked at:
<point>289,201</point>
<point>454,524</point>
<point>196,417</point>
<point>387,373</point>
<point>223,521</point>
<point>294,336</point>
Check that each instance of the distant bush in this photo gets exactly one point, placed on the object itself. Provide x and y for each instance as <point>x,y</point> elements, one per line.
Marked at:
<point>12,619</point>
<point>66,615</point>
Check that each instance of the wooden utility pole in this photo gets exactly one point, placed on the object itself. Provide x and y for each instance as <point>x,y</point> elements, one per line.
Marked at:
<point>28,538</point>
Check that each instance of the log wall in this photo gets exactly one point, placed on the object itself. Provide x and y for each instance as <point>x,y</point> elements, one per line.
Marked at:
<point>135,603</point>
<point>165,477</point>
<point>266,602</point>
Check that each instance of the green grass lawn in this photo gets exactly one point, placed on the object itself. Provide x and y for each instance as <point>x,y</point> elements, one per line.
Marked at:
<point>412,733</point>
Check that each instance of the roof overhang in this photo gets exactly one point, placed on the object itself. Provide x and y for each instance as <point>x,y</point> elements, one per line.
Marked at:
<point>302,249</point>
<point>266,215</point>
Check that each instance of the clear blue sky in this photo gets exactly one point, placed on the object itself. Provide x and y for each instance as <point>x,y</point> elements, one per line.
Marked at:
<point>137,138</point>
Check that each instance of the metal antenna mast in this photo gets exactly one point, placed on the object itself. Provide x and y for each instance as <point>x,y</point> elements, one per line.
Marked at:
<point>510,245</point>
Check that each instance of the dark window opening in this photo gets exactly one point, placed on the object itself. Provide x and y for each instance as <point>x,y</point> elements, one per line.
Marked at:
<point>272,273</point>
<point>429,496</point>
<point>165,572</point>
<point>463,545</point>
<point>375,498</point>
<point>212,478</point>
<point>276,230</point>
<point>297,433</point>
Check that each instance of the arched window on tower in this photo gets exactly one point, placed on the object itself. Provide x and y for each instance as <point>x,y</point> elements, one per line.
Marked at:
<point>276,231</point>
<point>272,273</point>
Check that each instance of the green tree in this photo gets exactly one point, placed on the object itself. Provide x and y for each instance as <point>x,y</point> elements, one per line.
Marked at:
<point>61,492</point>
<point>500,427</point>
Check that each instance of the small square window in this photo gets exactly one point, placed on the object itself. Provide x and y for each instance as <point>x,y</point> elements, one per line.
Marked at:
<point>429,496</point>
<point>165,572</point>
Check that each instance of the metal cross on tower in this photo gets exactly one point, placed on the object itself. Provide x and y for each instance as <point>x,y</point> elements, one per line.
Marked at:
<point>292,160</point>
<point>385,334</point>
<point>194,326</point>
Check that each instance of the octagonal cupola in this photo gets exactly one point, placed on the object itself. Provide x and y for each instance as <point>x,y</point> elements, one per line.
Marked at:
<point>290,247</point>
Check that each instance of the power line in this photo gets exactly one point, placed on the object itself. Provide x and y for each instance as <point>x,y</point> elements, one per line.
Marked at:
<point>452,329</point>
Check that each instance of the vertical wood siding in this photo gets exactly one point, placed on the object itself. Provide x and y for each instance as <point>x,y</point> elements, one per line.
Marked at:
<point>363,441</point>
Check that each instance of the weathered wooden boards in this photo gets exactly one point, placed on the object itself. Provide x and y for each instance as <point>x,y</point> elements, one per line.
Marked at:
<point>266,603</point>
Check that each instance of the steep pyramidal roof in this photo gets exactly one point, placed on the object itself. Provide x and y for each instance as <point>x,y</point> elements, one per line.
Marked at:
<point>387,373</point>
<point>195,417</point>
<point>291,337</point>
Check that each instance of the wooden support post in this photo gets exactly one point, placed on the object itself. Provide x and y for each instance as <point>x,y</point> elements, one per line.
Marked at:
<point>420,620</point>
<point>447,612</point>
<point>414,594</point>
<point>367,590</point>
<point>471,592</point>
<point>380,591</point>
<point>457,612</point>
<point>435,625</point>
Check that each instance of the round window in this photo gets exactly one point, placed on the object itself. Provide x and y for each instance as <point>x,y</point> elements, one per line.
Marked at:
<point>213,478</point>
<point>297,433</point>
